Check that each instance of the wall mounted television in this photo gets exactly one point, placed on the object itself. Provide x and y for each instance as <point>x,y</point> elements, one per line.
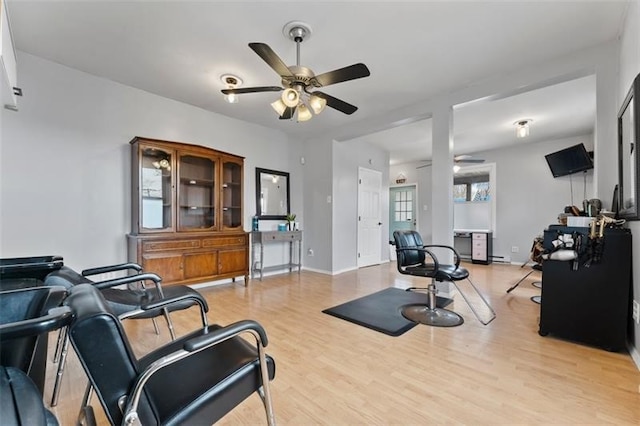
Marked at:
<point>569,160</point>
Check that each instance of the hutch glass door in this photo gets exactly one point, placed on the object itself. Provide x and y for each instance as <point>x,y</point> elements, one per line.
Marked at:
<point>155,189</point>
<point>196,195</point>
<point>231,194</point>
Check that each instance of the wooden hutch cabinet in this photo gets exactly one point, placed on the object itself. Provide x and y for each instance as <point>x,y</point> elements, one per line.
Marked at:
<point>187,212</point>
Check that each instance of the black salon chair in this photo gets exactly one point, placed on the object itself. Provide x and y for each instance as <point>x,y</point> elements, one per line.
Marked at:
<point>195,379</point>
<point>26,317</point>
<point>417,259</point>
<point>128,297</point>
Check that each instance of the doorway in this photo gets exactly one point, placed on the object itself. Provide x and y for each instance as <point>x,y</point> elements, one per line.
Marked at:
<point>402,209</point>
<point>369,217</point>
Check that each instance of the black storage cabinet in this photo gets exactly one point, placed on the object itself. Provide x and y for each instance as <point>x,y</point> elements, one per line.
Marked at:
<point>589,305</point>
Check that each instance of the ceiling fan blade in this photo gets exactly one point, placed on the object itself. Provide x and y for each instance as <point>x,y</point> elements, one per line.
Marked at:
<point>469,160</point>
<point>288,113</point>
<point>343,74</point>
<point>336,103</point>
<point>269,56</point>
<point>239,91</point>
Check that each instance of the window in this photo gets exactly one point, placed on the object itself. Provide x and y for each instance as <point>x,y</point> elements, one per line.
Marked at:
<point>471,189</point>
<point>403,206</point>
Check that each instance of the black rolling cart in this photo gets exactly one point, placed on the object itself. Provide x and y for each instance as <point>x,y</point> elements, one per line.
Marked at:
<point>590,304</point>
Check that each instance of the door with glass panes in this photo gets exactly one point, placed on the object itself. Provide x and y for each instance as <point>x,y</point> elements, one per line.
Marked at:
<point>402,209</point>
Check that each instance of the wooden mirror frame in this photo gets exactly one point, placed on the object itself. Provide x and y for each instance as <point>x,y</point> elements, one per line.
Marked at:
<point>625,164</point>
<point>259,173</point>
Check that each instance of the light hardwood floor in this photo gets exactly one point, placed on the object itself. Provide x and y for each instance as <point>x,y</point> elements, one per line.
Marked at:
<point>332,372</point>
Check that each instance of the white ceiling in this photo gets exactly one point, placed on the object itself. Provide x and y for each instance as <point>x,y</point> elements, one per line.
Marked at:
<point>415,50</point>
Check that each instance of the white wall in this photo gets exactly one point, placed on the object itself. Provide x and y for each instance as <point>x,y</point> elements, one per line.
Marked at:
<point>347,157</point>
<point>629,69</point>
<point>65,163</point>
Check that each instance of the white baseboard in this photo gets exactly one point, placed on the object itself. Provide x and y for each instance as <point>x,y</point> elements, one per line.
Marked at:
<point>320,271</point>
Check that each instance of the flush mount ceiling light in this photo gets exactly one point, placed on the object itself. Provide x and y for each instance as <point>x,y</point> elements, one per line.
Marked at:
<point>522,128</point>
<point>299,97</point>
<point>231,82</point>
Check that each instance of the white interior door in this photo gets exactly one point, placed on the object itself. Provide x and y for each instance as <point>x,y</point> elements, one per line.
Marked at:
<point>369,217</point>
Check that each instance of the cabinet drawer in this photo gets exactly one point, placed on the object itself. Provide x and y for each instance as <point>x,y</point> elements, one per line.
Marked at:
<point>480,244</point>
<point>479,236</point>
<point>479,255</point>
<point>237,240</point>
<point>148,246</point>
<point>282,236</point>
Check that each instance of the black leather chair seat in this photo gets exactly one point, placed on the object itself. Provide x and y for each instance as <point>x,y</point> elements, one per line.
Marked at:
<point>21,401</point>
<point>233,364</point>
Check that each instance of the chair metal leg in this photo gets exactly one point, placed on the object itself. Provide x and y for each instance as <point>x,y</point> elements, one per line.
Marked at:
<point>59,343</point>
<point>155,326</point>
<point>464,296</point>
<point>165,312</point>
<point>86,415</point>
<point>264,391</point>
<point>60,371</point>
<point>521,279</point>
<point>430,314</point>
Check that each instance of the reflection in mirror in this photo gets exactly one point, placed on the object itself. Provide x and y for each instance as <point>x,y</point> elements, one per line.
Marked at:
<point>272,194</point>
<point>628,156</point>
<point>156,189</point>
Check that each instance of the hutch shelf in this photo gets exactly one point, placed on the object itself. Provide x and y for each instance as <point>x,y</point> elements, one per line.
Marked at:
<point>187,212</point>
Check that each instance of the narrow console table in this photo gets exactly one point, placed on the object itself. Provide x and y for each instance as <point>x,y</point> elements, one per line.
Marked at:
<point>260,238</point>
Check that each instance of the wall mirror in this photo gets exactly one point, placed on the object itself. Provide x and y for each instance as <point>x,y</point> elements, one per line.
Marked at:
<point>272,194</point>
<point>628,156</point>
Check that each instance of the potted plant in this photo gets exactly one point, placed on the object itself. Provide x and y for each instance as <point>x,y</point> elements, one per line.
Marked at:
<point>290,220</point>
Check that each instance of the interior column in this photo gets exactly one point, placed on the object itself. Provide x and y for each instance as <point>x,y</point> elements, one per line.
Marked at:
<point>442,187</point>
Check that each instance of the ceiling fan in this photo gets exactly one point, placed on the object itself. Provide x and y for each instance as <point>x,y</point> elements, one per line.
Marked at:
<point>299,84</point>
<point>458,159</point>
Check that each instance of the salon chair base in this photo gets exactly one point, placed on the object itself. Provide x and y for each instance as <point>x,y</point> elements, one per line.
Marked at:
<point>437,317</point>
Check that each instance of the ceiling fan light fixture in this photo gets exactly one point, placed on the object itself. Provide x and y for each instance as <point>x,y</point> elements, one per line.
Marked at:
<point>231,82</point>
<point>522,128</point>
<point>303,113</point>
<point>317,104</point>
<point>290,97</point>
<point>279,107</point>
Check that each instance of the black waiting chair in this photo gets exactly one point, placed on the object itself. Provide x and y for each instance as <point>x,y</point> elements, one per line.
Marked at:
<point>27,316</point>
<point>417,259</point>
<point>195,379</point>
<point>128,297</point>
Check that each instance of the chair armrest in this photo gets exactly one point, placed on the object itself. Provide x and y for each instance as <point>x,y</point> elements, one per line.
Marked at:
<point>112,268</point>
<point>432,255</point>
<point>227,332</point>
<point>191,347</point>
<point>455,252</point>
<point>130,279</point>
<point>56,318</point>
